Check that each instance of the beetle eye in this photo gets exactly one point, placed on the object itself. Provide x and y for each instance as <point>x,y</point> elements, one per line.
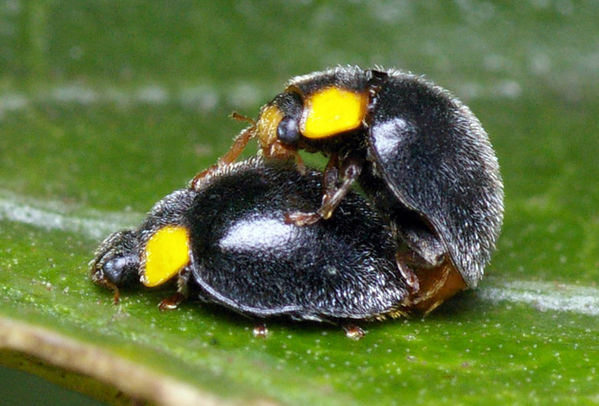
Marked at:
<point>121,270</point>
<point>288,131</point>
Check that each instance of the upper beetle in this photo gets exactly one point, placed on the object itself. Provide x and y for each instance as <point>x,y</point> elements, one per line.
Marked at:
<point>418,152</point>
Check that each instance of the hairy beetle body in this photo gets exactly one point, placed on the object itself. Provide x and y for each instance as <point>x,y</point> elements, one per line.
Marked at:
<point>240,252</point>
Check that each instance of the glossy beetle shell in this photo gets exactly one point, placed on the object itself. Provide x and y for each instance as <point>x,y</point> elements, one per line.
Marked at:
<point>243,255</point>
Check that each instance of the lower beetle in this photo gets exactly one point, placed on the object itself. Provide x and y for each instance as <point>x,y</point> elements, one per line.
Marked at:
<point>418,152</point>
<point>226,241</point>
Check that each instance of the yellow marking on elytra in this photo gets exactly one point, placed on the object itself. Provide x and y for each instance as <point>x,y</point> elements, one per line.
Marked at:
<point>331,111</point>
<point>266,128</point>
<point>166,254</point>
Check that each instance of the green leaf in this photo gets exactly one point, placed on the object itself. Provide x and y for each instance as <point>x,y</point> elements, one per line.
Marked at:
<point>104,109</point>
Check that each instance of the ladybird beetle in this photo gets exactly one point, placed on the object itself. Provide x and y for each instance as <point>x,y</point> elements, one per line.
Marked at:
<point>419,154</point>
<point>226,241</point>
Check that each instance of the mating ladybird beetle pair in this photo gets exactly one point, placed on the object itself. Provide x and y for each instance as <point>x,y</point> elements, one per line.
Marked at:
<point>421,157</point>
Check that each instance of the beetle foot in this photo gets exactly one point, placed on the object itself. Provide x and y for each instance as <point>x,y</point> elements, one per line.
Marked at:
<point>117,293</point>
<point>354,332</point>
<point>302,219</point>
<point>171,302</point>
<point>260,331</point>
<point>196,179</point>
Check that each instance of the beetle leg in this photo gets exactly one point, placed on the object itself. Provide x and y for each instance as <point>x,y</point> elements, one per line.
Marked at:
<point>302,219</point>
<point>329,186</point>
<point>354,332</point>
<point>299,163</point>
<point>350,171</point>
<point>117,293</point>
<point>330,177</point>
<point>260,331</point>
<point>404,269</point>
<point>332,195</point>
<point>172,302</point>
<point>239,144</point>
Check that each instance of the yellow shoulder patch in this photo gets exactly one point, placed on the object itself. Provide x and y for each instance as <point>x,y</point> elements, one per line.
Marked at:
<point>166,253</point>
<point>331,111</point>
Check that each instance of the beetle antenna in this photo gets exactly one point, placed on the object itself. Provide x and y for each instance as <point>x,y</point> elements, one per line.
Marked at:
<point>240,117</point>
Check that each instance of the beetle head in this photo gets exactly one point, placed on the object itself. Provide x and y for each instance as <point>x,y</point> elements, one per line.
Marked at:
<point>277,128</point>
<point>115,264</point>
<point>294,117</point>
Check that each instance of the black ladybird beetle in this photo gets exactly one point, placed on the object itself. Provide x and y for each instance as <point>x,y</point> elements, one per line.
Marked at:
<point>417,152</point>
<point>226,242</point>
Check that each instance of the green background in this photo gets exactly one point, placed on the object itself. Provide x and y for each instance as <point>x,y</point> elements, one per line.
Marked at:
<point>107,106</point>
